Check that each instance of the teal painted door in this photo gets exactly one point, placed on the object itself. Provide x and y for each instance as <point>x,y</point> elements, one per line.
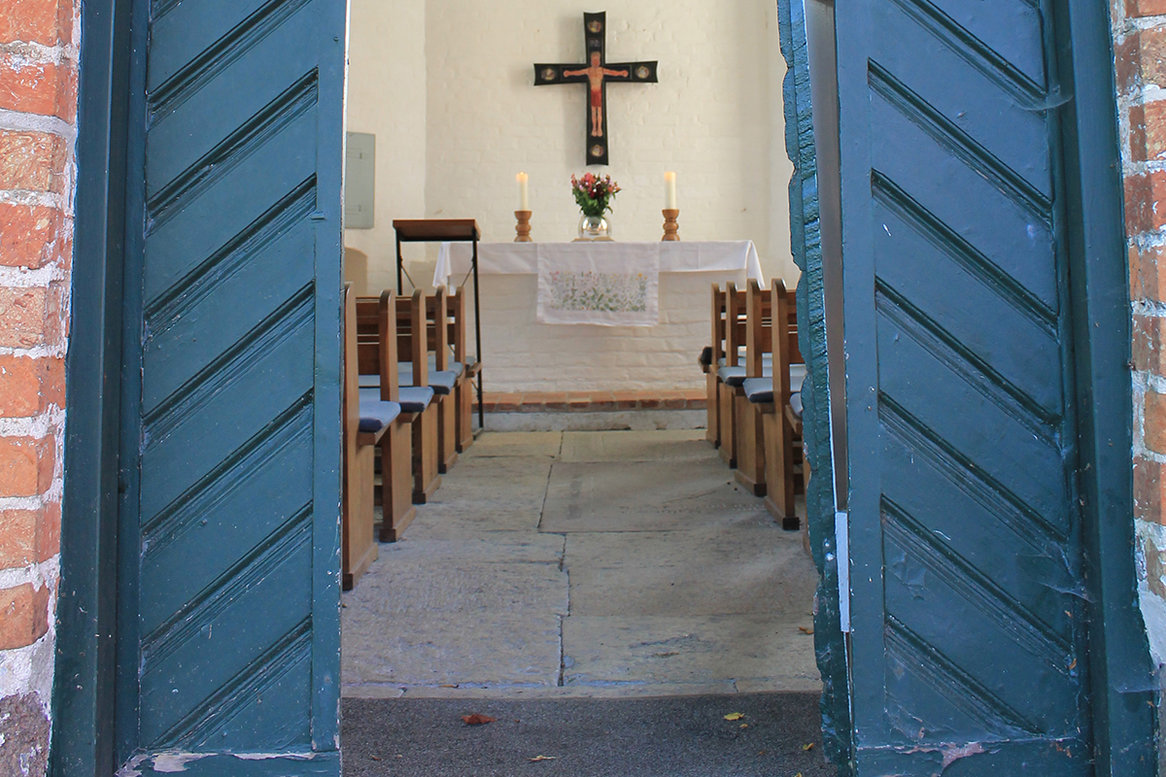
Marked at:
<point>968,614</point>
<point>229,590</point>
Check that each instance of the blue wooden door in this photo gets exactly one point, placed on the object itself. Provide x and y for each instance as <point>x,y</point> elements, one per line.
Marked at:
<point>969,623</point>
<point>228,593</point>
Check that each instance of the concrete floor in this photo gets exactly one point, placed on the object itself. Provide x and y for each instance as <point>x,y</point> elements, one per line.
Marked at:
<point>604,564</point>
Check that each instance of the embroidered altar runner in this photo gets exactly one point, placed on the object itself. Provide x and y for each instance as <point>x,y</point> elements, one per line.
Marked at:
<point>588,283</point>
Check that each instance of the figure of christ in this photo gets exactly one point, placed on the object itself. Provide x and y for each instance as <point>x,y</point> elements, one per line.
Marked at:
<point>595,75</point>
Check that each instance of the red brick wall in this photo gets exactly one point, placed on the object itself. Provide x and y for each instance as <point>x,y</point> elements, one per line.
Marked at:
<point>38,106</point>
<point>1140,51</point>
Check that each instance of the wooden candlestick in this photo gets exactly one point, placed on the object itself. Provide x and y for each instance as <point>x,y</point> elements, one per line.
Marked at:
<point>522,228</point>
<point>670,225</point>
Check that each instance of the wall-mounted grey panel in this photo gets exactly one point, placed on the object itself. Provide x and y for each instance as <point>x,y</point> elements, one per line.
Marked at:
<point>360,181</point>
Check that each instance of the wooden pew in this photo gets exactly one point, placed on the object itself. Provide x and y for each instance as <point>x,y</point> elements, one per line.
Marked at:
<point>437,329</point>
<point>417,397</point>
<point>412,338</point>
<point>376,343</point>
<point>749,429</point>
<point>731,373</point>
<point>373,422</point>
<point>783,428</point>
<point>471,367</point>
<point>357,548</point>
<point>715,352</point>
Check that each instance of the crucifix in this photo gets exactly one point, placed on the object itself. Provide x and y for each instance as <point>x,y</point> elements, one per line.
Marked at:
<point>596,73</point>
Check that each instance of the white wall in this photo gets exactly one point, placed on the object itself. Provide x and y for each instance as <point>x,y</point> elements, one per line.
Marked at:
<point>387,97</point>
<point>710,119</point>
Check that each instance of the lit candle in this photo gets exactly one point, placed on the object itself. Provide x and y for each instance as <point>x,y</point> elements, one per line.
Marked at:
<point>523,192</point>
<point>670,190</point>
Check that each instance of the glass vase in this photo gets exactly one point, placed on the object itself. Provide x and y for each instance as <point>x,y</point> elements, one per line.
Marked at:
<point>594,228</point>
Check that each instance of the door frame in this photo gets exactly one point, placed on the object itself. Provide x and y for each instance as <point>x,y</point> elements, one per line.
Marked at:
<point>83,687</point>
<point>1120,672</point>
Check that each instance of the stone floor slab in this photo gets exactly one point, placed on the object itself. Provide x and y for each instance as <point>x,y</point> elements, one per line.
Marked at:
<point>637,651</point>
<point>646,496</point>
<point>704,571</point>
<point>637,446</point>
<point>494,443</point>
<point>449,620</point>
<point>440,552</point>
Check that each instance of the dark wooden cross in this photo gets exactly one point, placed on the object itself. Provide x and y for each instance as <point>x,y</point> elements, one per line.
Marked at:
<point>595,72</point>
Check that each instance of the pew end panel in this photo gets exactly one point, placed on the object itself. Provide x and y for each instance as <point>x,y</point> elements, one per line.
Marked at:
<point>749,431</point>
<point>357,548</point>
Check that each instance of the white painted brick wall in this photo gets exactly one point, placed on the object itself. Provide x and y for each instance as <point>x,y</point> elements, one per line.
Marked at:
<point>521,354</point>
<point>387,97</point>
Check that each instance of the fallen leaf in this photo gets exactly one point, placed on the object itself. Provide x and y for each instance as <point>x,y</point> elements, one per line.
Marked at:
<point>804,630</point>
<point>454,685</point>
<point>808,747</point>
<point>735,716</point>
<point>538,758</point>
<point>375,757</point>
<point>477,719</point>
<point>744,725</point>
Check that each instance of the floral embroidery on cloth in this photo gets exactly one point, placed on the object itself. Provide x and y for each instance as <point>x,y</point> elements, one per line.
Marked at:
<point>608,285</point>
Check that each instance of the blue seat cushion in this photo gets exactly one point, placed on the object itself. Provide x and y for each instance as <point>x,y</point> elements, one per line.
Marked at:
<point>441,381</point>
<point>731,376</point>
<point>413,400</point>
<point>759,390</point>
<point>795,404</point>
<point>454,366</point>
<point>375,413</point>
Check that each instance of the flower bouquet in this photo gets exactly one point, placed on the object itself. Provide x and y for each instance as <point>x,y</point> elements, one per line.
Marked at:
<point>593,195</point>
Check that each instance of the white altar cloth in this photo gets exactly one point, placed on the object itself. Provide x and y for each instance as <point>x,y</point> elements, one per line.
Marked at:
<point>522,354</point>
<point>523,258</point>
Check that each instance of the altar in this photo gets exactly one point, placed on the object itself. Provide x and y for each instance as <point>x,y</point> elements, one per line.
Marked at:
<point>641,331</point>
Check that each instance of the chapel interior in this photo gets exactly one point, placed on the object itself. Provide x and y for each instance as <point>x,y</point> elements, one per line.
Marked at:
<point>592,539</point>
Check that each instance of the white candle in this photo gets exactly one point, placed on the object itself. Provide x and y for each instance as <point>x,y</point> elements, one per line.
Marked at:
<point>670,190</point>
<point>523,191</point>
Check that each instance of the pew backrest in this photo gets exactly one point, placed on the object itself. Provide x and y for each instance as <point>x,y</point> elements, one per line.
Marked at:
<point>785,339</point>
<point>758,328</point>
<point>376,341</point>
<point>437,327</point>
<point>456,313</point>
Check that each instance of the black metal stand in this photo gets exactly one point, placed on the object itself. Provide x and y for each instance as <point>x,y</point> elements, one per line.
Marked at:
<point>446,231</point>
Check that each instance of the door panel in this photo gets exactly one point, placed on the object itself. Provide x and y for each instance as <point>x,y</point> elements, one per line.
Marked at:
<point>229,650</point>
<point>967,614</point>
